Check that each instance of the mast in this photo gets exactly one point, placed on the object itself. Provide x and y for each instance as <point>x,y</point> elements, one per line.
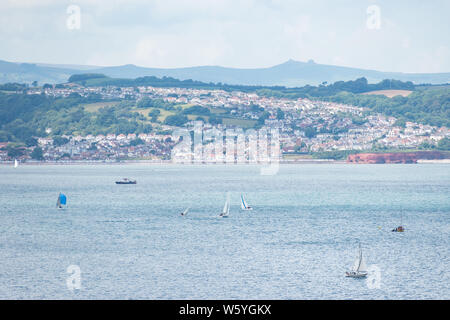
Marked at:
<point>360,257</point>
<point>362,267</point>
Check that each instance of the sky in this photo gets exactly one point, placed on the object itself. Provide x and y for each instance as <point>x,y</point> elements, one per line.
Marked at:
<point>397,36</point>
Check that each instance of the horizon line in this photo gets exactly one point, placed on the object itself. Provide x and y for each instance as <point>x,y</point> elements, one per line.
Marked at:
<point>310,61</point>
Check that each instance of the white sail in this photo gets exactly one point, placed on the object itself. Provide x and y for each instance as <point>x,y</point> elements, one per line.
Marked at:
<point>362,265</point>
<point>16,163</point>
<point>226,209</point>
<point>185,212</point>
<point>355,265</point>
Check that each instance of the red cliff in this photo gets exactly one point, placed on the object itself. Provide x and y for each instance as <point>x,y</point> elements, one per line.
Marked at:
<point>396,157</point>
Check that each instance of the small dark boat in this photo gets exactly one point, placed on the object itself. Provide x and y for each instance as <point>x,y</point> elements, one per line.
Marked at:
<point>398,229</point>
<point>126,181</point>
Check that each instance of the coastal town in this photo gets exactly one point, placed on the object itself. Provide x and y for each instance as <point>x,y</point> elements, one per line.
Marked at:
<point>304,126</point>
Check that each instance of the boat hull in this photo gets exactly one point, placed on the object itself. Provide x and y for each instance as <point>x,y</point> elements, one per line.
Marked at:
<point>399,229</point>
<point>123,182</point>
<point>356,274</point>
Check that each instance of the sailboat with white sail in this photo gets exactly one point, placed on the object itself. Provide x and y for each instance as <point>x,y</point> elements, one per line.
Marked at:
<point>16,163</point>
<point>185,212</point>
<point>359,269</point>
<point>244,205</point>
<point>226,210</point>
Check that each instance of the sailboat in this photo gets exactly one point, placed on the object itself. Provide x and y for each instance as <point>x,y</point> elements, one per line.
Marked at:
<point>225,211</point>
<point>185,212</point>
<point>359,269</point>
<point>62,200</point>
<point>244,205</point>
<point>400,228</point>
<point>16,163</point>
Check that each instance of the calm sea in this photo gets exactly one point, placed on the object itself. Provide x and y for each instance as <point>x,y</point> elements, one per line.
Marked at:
<point>130,242</point>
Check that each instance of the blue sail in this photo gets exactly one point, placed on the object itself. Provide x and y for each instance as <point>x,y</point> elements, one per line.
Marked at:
<point>244,205</point>
<point>62,198</point>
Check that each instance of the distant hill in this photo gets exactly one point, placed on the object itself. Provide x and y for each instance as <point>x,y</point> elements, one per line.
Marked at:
<point>28,72</point>
<point>291,73</point>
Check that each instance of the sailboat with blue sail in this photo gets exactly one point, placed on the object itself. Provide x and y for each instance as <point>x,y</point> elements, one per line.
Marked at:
<point>62,200</point>
<point>244,205</point>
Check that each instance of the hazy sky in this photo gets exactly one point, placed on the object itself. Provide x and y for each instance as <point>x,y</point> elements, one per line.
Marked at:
<point>412,36</point>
